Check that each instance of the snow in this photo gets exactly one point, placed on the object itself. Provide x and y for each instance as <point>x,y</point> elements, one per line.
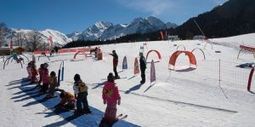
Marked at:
<point>181,98</point>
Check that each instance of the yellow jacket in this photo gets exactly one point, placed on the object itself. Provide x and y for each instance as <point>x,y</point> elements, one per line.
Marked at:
<point>80,87</point>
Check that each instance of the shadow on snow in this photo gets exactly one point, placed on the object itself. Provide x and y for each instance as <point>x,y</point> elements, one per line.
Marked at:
<point>30,92</point>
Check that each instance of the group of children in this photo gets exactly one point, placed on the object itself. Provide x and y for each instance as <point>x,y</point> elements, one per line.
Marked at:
<point>110,93</point>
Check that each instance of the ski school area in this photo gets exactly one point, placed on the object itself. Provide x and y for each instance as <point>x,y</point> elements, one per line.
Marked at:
<point>207,83</point>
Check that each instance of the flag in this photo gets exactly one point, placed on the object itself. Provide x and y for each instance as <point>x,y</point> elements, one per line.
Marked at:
<point>11,46</point>
<point>136,67</point>
<point>50,40</point>
<point>152,72</point>
<point>124,63</point>
<point>161,35</point>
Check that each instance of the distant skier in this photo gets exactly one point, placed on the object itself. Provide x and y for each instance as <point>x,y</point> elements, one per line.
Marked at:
<point>81,93</point>
<point>111,97</point>
<point>67,101</point>
<point>53,82</point>
<point>115,63</point>
<point>142,61</point>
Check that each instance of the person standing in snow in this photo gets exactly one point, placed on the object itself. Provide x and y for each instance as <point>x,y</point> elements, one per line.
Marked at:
<point>111,97</point>
<point>142,61</point>
<point>40,71</point>
<point>33,72</point>
<point>115,63</point>
<point>45,78</point>
<point>81,93</point>
<point>29,66</point>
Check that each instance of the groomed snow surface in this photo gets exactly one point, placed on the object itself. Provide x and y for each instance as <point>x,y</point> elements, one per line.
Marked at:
<point>212,95</point>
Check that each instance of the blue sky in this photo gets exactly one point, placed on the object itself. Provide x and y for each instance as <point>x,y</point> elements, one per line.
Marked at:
<point>76,15</point>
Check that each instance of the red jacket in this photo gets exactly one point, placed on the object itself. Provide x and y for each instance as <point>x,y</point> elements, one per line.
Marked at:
<point>111,93</point>
<point>45,76</point>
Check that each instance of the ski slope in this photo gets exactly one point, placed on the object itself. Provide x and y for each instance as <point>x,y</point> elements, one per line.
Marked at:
<point>212,95</point>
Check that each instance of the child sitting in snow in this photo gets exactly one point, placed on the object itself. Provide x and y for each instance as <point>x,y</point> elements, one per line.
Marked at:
<point>53,84</point>
<point>111,97</point>
<point>67,101</point>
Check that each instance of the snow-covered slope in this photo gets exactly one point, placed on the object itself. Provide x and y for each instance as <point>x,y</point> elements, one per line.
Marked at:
<point>212,95</point>
<point>236,41</point>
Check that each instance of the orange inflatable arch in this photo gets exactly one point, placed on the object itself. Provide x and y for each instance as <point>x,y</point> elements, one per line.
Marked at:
<point>174,56</point>
<point>159,56</point>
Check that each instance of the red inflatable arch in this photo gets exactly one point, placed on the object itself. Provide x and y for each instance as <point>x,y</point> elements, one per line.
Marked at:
<point>200,50</point>
<point>174,56</point>
<point>78,52</point>
<point>159,56</point>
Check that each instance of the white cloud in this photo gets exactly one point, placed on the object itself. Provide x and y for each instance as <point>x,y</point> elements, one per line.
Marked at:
<point>154,7</point>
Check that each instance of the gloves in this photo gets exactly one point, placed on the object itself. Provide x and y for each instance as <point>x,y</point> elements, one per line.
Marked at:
<point>118,102</point>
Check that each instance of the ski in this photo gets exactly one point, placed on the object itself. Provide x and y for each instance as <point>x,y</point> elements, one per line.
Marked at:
<point>122,117</point>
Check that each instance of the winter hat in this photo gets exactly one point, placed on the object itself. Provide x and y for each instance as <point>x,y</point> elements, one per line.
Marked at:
<point>110,77</point>
<point>53,74</point>
<point>41,66</point>
<point>113,51</point>
<point>46,65</point>
<point>77,77</point>
<point>140,54</point>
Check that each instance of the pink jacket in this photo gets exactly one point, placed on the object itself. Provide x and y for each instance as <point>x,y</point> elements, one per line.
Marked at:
<point>110,93</point>
<point>45,76</point>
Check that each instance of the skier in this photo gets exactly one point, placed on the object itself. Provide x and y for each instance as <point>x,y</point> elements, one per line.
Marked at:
<point>111,97</point>
<point>81,93</point>
<point>40,70</point>
<point>53,84</point>
<point>29,70</point>
<point>115,63</point>
<point>142,61</point>
<point>67,101</point>
<point>45,78</point>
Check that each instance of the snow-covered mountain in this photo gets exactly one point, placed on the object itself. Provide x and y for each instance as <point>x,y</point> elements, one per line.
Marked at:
<point>107,31</point>
<point>171,25</point>
<point>74,35</point>
<point>95,31</point>
<point>57,37</point>
<point>25,36</point>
